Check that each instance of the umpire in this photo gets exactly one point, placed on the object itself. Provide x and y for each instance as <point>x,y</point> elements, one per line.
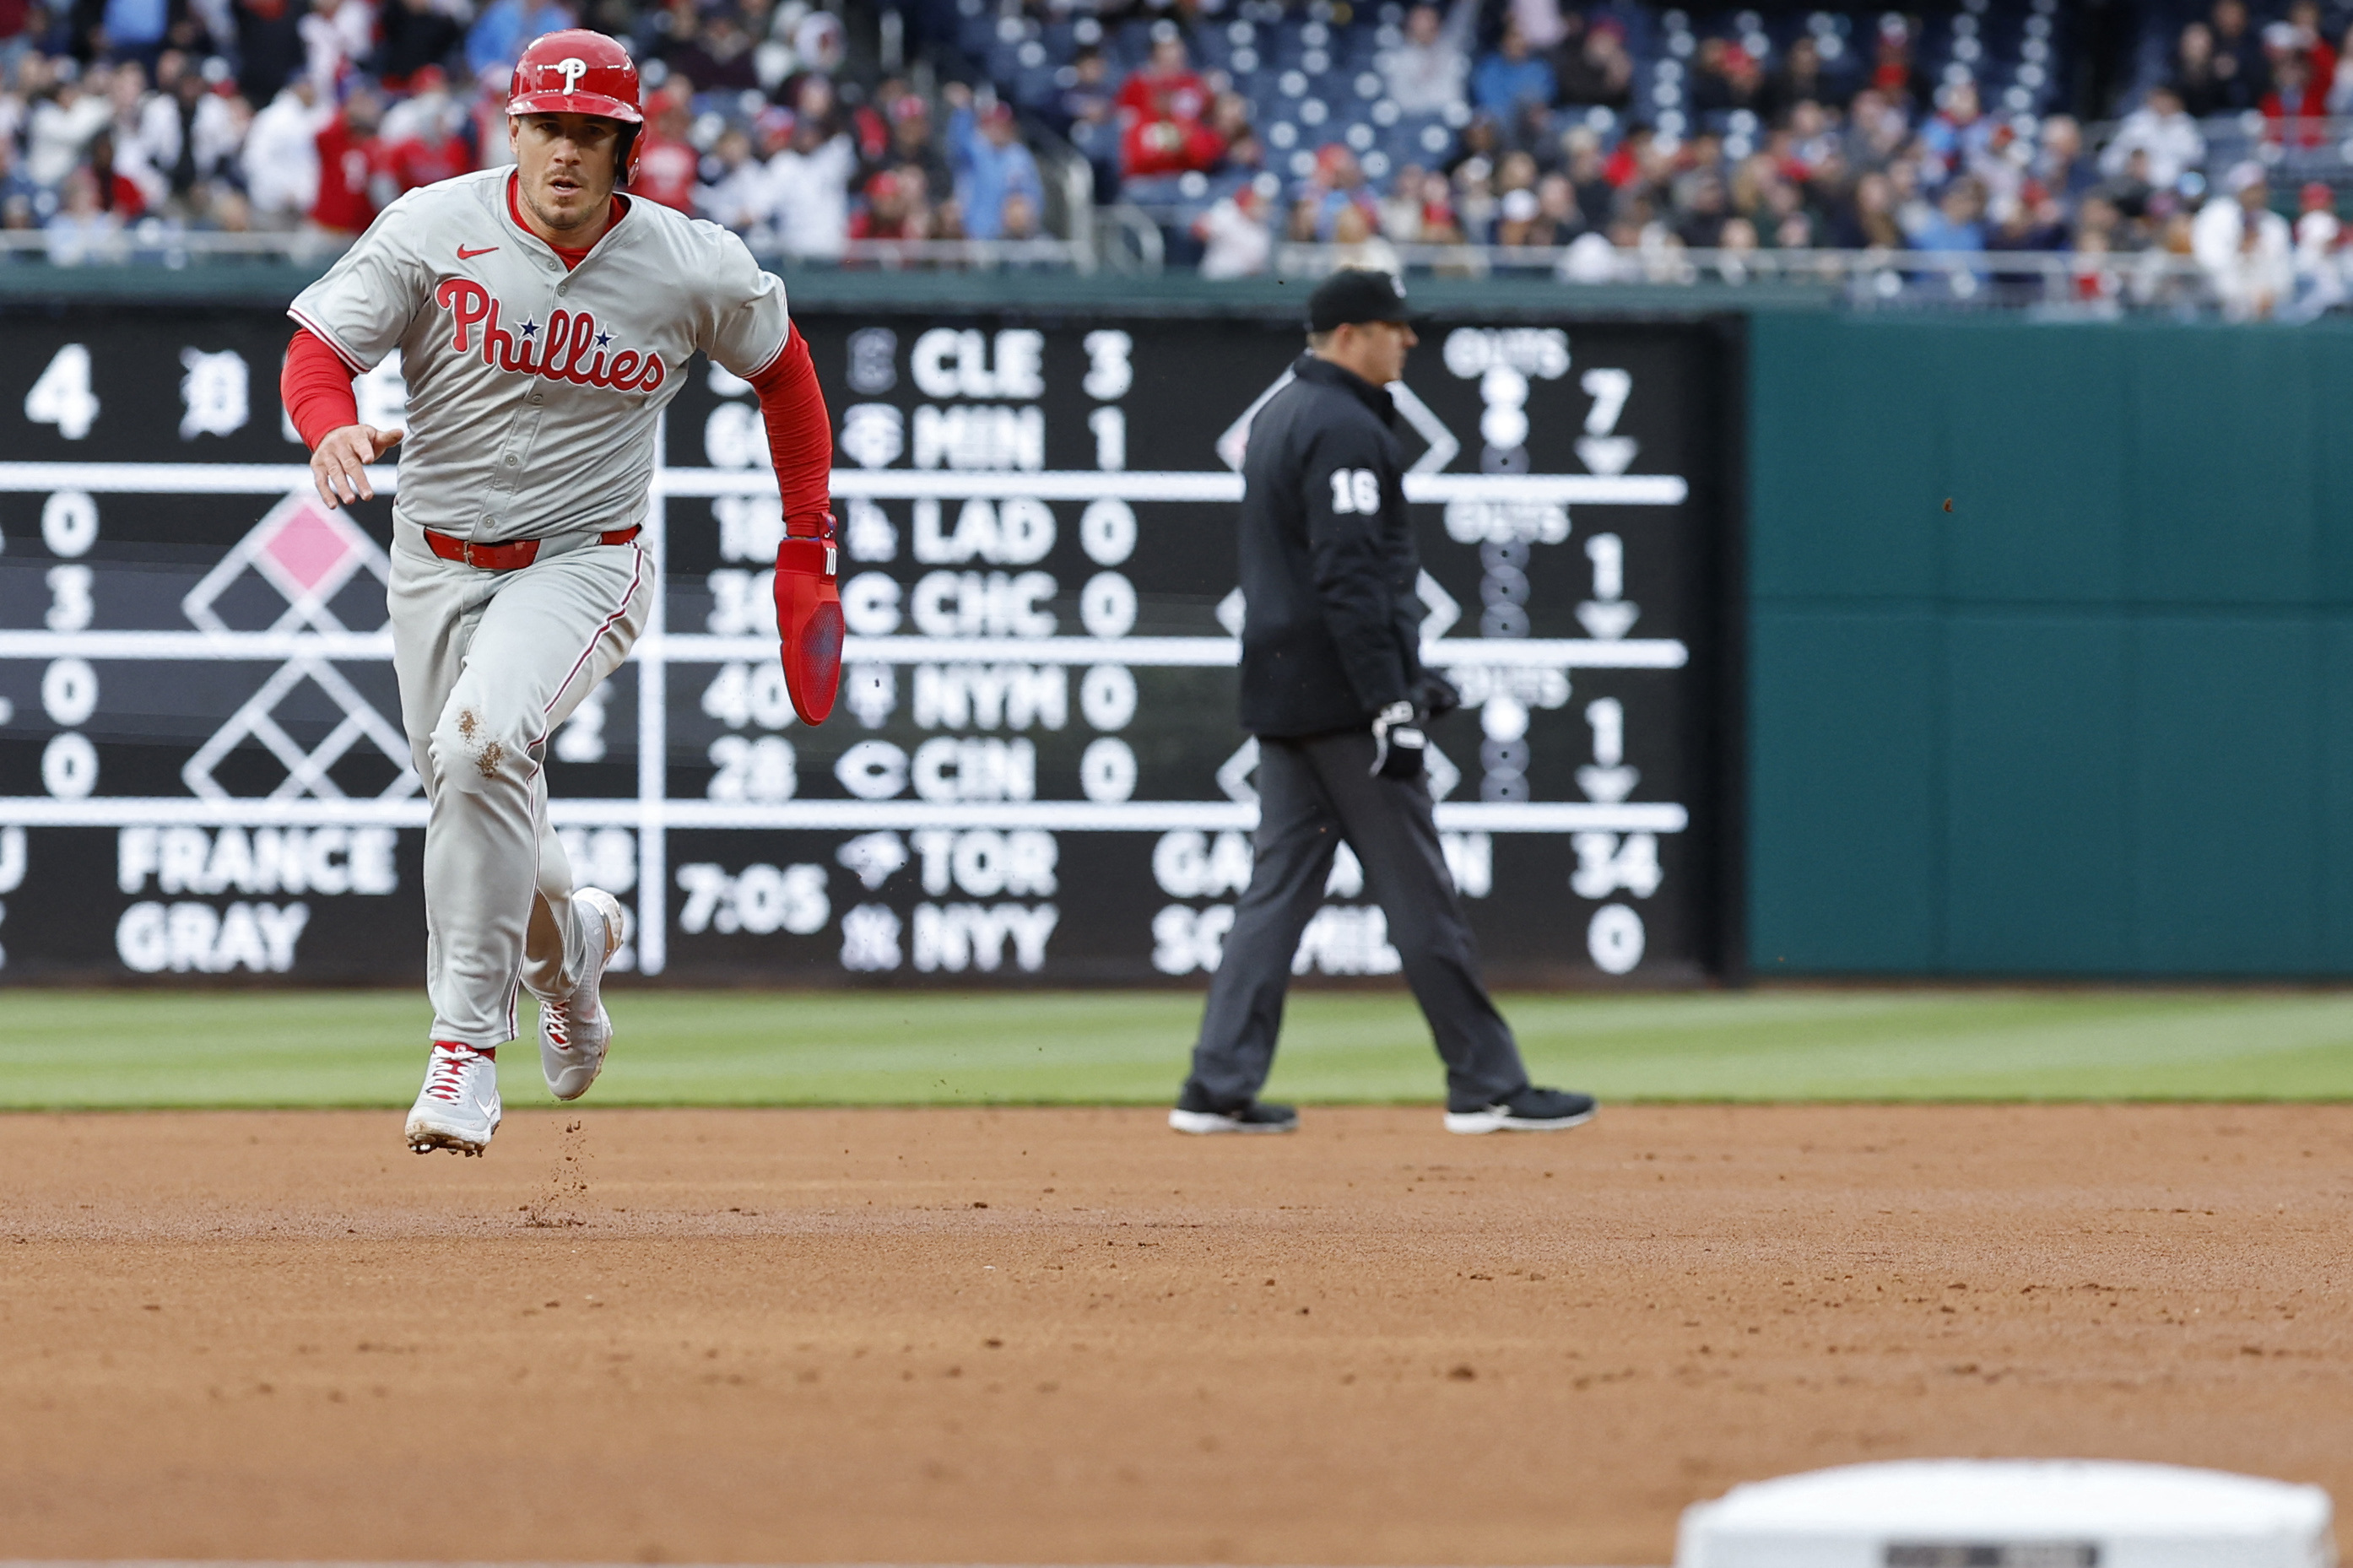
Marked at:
<point>1334,688</point>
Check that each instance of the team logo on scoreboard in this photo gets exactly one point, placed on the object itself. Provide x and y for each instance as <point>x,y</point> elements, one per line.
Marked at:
<point>308,554</point>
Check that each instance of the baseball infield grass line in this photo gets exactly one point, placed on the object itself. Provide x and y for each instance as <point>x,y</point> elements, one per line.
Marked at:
<point>155,1049</point>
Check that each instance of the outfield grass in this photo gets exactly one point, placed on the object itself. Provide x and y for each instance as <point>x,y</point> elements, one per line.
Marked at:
<point>344,1048</point>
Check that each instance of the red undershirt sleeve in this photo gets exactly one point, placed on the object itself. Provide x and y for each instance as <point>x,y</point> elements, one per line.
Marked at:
<point>800,438</point>
<point>316,386</point>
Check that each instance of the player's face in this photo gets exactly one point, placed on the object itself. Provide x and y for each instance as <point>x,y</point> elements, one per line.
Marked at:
<point>1386,344</point>
<point>565,163</point>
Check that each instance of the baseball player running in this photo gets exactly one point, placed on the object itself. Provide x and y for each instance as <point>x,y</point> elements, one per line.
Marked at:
<point>542,323</point>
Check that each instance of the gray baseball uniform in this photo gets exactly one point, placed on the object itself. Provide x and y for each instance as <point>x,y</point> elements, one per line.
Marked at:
<point>534,398</point>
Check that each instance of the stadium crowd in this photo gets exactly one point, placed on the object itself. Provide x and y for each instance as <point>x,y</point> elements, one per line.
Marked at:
<point>314,114</point>
<point>1814,145</point>
<point>1518,124</point>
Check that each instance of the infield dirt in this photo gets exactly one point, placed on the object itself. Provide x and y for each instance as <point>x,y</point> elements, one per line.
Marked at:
<point>1071,1336</point>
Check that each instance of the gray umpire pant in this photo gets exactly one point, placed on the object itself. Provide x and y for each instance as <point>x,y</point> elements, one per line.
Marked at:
<point>1313,794</point>
<point>490,664</point>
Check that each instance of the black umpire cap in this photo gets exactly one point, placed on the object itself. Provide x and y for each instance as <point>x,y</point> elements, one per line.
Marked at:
<point>1355,294</point>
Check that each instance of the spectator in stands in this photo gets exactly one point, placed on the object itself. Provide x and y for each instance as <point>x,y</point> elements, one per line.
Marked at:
<point>16,33</point>
<point>2128,192</point>
<point>1956,222</point>
<point>2098,227</point>
<point>2340,89</point>
<point>133,31</point>
<point>203,130</point>
<point>1426,74</point>
<point>2245,248</point>
<point>1802,78</point>
<point>913,147</point>
<point>1401,209</point>
<point>1868,221</point>
<point>2164,131</point>
<point>1511,76</point>
<point>505,26</point>
<point>1545,26</point>
<point>1587,170</point>
<point>2319,54</point>
<point>1161,110</point>
<point>1087,95</point>
<point>1957,135</point>
<point>13,184</point>
<point>1556,207</point>
<point>1595,72</point>
<point>1877,129</point>
<point>2031,220</point>
<point>1233,235</point>
<point>146,128</point>
<point>1702,210</point>
<point>336,35</point>
<point>63,120</point>
<point>1895,74</point>
<point>118,192</point>
<point>1338,186</point>
<point>1785,222</point>
<point>1725,77</point>
<point>2293,106</point>
<point>737,192</point>
<point>426,150</point>
<point>1355,243</point>
<point>2204,86</point>
<point>268,47</point>
<point>808,189</point>
<point>1167,88</point>
<point>349,157</point>
<point>2237,54</point>
<point>1017,219</point>
<point>2319,269</point>
<point>668,165</point>
<point>895,208</point>
<point>992,166</point>
<point>82,228</point>
<point>2058,165</point>
<point>281,156</point>
<point>418,35</point>
<point>714,51</point>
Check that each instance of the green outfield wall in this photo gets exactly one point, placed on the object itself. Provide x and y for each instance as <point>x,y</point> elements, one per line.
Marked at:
<point>2096,719</point>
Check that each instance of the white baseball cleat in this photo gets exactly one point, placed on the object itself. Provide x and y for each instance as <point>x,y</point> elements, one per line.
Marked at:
<point>574,1031</point>
<point>457,1109</point>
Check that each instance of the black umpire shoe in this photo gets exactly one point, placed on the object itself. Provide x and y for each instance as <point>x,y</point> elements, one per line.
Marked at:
<point>1196,1112</point>
<point>1530,1110</point>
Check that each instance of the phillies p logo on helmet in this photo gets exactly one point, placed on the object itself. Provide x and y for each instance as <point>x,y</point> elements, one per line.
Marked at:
<point>577,71</point>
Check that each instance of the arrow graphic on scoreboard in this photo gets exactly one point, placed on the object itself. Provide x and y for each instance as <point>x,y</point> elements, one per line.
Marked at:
<point>1233,773</point>
<point>1605,621</point>
<point>1607,779</point>
<point>1607,784</point>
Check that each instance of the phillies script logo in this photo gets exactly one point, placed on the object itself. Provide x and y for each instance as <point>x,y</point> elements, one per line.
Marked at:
<point>574,348</point>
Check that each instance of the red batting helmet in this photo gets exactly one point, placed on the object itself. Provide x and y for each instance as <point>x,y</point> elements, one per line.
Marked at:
<point>576,71</point>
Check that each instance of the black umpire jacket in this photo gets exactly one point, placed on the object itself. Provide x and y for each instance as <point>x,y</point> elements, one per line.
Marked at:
<point>1331,633</point>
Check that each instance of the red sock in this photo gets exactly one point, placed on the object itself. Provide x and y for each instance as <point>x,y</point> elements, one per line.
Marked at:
<point>489,1053</point>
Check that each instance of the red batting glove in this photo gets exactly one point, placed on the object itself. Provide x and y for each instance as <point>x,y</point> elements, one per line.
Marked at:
<point>808,619</point>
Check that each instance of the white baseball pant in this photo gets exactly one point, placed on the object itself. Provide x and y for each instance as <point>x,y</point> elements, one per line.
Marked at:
<point>491,663</point>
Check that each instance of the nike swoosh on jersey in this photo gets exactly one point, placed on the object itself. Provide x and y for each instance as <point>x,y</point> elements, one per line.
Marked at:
<point>466,255</point>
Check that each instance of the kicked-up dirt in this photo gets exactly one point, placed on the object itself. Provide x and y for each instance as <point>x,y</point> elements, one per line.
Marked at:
<point>1072,1336</point>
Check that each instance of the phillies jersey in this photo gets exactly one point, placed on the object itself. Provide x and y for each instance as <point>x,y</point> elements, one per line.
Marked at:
<point>534,392</point>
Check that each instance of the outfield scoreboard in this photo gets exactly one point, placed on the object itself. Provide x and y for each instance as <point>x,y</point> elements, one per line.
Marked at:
<point>1034,773</point>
